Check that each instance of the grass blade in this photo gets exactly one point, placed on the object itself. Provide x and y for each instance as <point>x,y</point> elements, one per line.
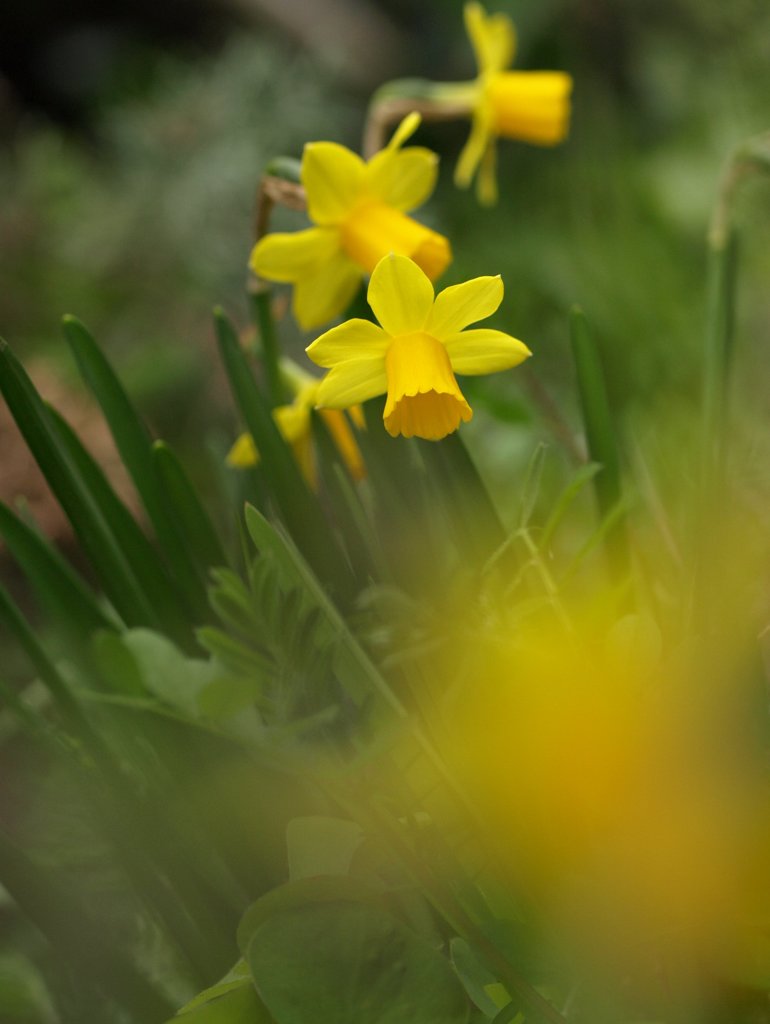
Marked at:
<point>134,444</point>
<point>600,435</point>
<point>193,522</point>
<point>36,425</point>
<point>57,584</point>
<point>137,550</point>
<point>298,507</point>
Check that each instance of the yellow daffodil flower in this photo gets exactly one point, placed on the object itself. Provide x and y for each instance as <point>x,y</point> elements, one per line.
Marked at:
<point>416,352</point>
<point>293,421</point>
<point>360,212</point>
<point>533,106</point>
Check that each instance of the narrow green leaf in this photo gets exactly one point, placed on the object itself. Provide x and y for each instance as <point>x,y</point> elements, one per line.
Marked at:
<point>599,430</point>
<point>57,584</point>
<point>298,507</point>
<point>133,442</point>
<point>43,440</point>
<point>140,557</point>
<point>601,436</point>
<point>580,478</point>
<point>49,903</point>
<point>200,537</point>
<point>531,486</point>
<point>717,353</point>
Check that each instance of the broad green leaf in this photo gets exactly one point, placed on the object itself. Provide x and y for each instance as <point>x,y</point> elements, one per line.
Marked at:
<point>117,665</point>
<point>303,892</point>
<point>321,846</point>
<point>240,1004</point>
<point>166,672</point>
<point>349,963</point>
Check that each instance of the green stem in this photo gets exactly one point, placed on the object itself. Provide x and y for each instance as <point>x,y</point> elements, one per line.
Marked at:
<point>261,300</point>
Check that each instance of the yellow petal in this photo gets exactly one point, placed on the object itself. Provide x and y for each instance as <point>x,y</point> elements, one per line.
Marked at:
<point>332,176</point>
<point>243,453</point>
<point>484,351</point>
<point>342,434</point>
<point>479,140</point>
<point>293,421</point>
<point>400,294</point>
<point>405,130</point>
<point>464,304</point>
<point>493,38</point>
<point>325,294</point>
<point>373,229</point>
<point>424,399</point>
<point>351,382</point>
<point>289,257</point>
<point>486,183</point>
<point>533,106</point>
<point>355,339</point>
<point>402,178</point>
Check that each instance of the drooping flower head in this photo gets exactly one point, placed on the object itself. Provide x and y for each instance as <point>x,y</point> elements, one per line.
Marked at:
<point>533,106</point>
<point>416,352</point>
<point>294,423</point>
<point>360,212</point>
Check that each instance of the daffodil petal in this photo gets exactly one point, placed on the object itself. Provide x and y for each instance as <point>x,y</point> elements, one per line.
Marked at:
<point>325,294</point>
<point>293,421</point>
<point>402,178</point>
<point>480,138</point>
<point>332,176</point>
<point>464,304</point>
<point>243,453</point>
<point>405,130</point>
<point>355,339</point>
<point>352,382</point>
<point>493,38</point>
<point>290,257</point>
<point>400,294</point>
<point>484,351</point>
<point>486,182</point>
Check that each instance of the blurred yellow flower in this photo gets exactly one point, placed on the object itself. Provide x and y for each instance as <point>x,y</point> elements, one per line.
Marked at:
<point>416,352</point>
<point>294,423</point>
<point>533,106</point>
<point>360,212</point>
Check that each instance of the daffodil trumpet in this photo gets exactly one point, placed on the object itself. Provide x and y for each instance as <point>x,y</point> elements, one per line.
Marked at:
<point>360,213</point>
<point>531,106</point>
<point>414,354</point>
